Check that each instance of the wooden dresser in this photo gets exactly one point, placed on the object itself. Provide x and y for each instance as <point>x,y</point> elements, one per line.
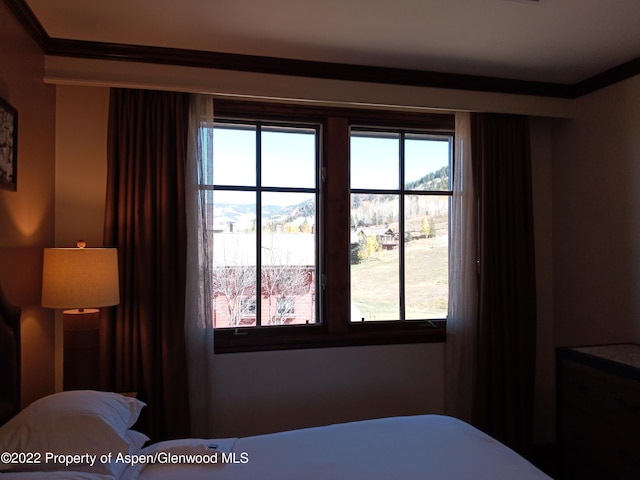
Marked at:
<point>598,395</point>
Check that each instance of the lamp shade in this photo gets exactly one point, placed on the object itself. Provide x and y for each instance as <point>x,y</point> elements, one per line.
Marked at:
<point>80,278</point>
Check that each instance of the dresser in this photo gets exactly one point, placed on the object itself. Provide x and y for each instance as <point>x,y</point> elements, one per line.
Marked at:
<point>598,412</point>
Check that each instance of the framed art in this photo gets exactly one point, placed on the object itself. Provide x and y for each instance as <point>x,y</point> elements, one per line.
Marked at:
<point>8,146</point>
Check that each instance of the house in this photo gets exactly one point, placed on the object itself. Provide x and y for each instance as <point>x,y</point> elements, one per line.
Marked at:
<point>586,174</point>
<point>287,279</point>
<point>387,238</point>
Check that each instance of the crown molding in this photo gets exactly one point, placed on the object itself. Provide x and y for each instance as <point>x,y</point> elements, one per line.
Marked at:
<point>312,69</point>
<point>606,78</point>
<point>300,68</point>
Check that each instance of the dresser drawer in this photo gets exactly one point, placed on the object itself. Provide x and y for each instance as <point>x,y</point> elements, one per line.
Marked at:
<point>591,445</point>
<point>601,394</point>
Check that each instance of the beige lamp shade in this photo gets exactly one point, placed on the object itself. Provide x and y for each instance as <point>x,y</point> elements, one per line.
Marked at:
<point>80,278</point>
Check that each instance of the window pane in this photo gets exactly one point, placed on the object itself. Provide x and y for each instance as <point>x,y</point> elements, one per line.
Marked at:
<point>234,155</point>
<point>234,211</point>
<point>289,157</point>
<point>288,258</point>
<point>375,264</point>
<point>426,256</point>
<point>375,160</point>
<point>234,259</point>
<point>426,163</point>
<point>265,261</point>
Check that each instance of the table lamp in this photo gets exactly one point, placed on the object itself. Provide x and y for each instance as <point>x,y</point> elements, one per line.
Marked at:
<point>80,280</point>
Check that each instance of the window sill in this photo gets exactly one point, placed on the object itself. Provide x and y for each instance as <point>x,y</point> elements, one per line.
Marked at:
<point>254,339</point>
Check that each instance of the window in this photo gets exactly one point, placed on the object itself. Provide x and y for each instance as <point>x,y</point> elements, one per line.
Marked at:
<point>400,194</point>
<point>285,309</point>
<point>248,309</point>
<point>264,195</point>
<point>294,266</point>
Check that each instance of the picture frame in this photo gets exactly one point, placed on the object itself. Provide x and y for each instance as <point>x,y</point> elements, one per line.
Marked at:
<point>8,146</point>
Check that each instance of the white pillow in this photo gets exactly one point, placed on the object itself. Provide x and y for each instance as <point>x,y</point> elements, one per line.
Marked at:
<point>77,422</point>
<point>136,440</point>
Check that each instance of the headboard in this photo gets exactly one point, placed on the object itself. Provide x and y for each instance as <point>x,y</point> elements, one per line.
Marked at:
<point>9,359</point>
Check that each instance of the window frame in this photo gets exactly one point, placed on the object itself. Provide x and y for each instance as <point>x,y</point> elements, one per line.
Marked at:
<point>401,192</point>
<point>332,216</point>
<point>258,126</point>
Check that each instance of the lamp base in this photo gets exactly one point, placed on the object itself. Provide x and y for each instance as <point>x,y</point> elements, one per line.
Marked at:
<point>81,370</point>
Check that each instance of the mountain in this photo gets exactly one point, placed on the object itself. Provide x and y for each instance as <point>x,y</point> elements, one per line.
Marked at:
<point>243,216</point>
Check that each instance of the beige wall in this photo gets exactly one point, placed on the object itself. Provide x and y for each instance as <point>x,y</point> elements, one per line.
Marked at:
<point>81,164</point>
<point>586,226</point>
<point>377,380</point>
<point>69,72</point>
<point>271,391</point>
<point>282,88</point>
<point>365,381</point>
<point>233,392</point>
<point>583,246</point>
<point>258,392</point>
<point>27,216</point>
<point>596,219</point>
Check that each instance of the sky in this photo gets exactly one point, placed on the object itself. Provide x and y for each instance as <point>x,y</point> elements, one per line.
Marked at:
<point>288,161</point>
<point>375,161</point>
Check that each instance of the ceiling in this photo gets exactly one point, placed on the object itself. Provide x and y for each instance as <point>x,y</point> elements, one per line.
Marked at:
<point>557,41</point>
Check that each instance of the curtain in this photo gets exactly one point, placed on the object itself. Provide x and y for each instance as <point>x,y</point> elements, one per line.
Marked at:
<point>506,328</point>
<point>490,351</point>
<point>199,308</point>
<point>145,219</point>
<point>460,349</point>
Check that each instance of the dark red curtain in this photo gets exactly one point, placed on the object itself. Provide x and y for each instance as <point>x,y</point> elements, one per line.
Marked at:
<point>507,299</point>
<point>145,219</point>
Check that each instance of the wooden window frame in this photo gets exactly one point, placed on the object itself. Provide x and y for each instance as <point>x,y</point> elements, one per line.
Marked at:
<point>335,328</point>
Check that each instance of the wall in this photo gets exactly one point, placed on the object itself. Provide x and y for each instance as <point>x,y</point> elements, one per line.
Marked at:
<point>270,391</point>
<point>256,391</point>
<point>81,164</point>
<point>262,391</point>
<point>541,166</point>
<point>282,88</point>
<point>99,73</point>
<point>586,221</point>
<point>596,219</point>
<point>27,216</point>
<point>587,269</point>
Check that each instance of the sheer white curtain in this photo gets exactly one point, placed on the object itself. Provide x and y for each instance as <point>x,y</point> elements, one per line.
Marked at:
<point>198,311</point>
<point>463,289</point>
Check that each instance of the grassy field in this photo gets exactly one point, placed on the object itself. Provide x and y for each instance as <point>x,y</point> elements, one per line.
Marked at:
<point>374,282</point>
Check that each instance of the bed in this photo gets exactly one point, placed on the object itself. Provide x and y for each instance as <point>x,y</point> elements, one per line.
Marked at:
<point>78,435</point>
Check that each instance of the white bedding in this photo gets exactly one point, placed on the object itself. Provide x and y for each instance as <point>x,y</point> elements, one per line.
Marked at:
<point>429,447</point>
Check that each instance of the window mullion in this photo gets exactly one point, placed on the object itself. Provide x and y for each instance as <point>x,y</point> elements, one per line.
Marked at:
<point>337,232</point>
<point>401,228</point>
<point>258,224</point>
